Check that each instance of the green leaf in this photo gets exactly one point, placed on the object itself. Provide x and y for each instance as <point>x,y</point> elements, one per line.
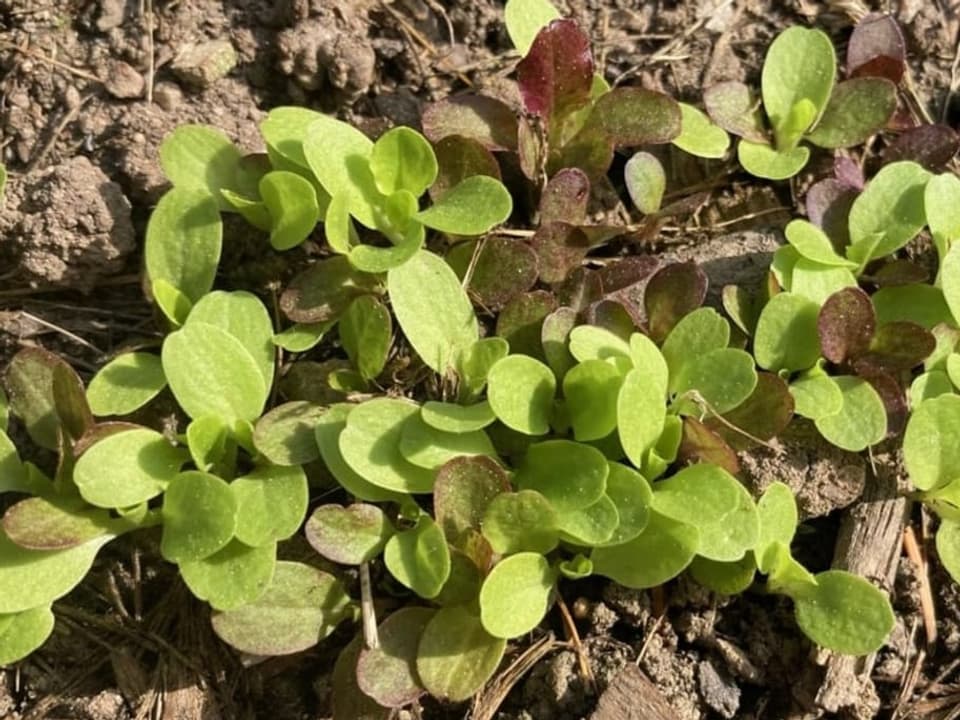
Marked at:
<point>699,136</point>
<point>817,282</point>
<point>301,606</point>
<point>432,308</point>
<point>632,497</point>
<point>365,332</point>
<point>800,66</point>
<point>812,243</point>
<point>199,516</point>
<point>889,213</point>
<point>589,342</point>
<point>32,578</point>
<point>858,108</point>
<point>941,204</point>
<point>570,475</point>
<point>302,337</point>
<point>29,382</point>
<point>698,495</point>
<point>372,259</point>
<point>861,422</point>
<point>293,207</point>
<point>697,333</point>
<point>172,303</point>
<point>183,241</point>
<point>427,447</point>
<point>284,129</point>
<point>211,373</point>
<point>472,207</point>
<point>388,672</point>
<point>948,548</point>
<point>763,161</point>
<point>723,378</point>
<point>661,552</point>
<point>285,435</point>
<point>327,431</point>
<point>525,19</point>
<point>646,182</point>
<point>777,512</point>
<point>348,535</point>
<point>516,594</point>
<point>816,395</point>
<point>3,184</point>
<point>641,413</point>
<point>370,444</point>
<point>456,654</point>
<point>127,468</point>
<point>207,439</point>
<point>592,525</point>
<point>453,418</point>
<point>13,473</point>
<point>521,391</point>
<point>253,211</point>
<point>786,337</point>
<point>845,613</point>
<point>464,489</point>
<point>339,156</point>
<point>950,280</point>
<point>271,502</point>
<point>38,523</point>
<point>419,558</point>
<point>930,451</point>
<point>22,633</point>
<point>928,385</point>
<point>729,539</point>
<point>402,159</point>
<point>200,158</point>
<point>591,389</point>
<point>126,383</point>
<point>475,361</point>
<point>232,577</point>
<point>523,521</point>
<point>725,578</point>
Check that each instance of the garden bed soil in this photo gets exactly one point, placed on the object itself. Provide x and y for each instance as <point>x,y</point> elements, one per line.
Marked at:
<point>80,138</point>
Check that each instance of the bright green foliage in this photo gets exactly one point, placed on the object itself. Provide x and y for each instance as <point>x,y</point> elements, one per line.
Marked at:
<point>301,337</point>
<point>725,578</point>
<point>592,525</point>
<point>199,516</point>
<point>271,502</point>
<point>723,378</point>
<point>786,335</point>
<point>862,420</point>
<point>457,655</point>
<point>699,136</point>
<point>777,513</point>
<point>208,439</point>
<point>588,342</point>
<point>572,476</point>
<point>29,382</point>
<point>349,535</point>
<point>521,392</point>
<point>419,557</point>
<point>292,204</point>
<point>930,451</point>
<point>950,279</point>
<point>948,546</point>
<point>475,361</point>
<point>766,162</point>
<point>22,633</point>
<point>453,418</point>
<point>646,181</point>
<point>432,309</point>
<point>816,395</point>
<point>471,208</point>
<point>941,204</point>
<point>698,333</point>
<point>591,389</point>
<point>201,158</point>
<point>427,447</point>
<point>127,468</point>
<point>641,414</point>
<point>182,248</point>
<point>516,594</point>
<point>632,498</point>
<point>285,435</point>
<point>658,554</point>
<point>812,243</point>
<point>700,495</point>
<point>402,159</point>
<point>524,521</point>
<point>365,331</point>
<point>126,383</point>
<point>525,18</point>
<point>300,607</point>
<point>233,576</point>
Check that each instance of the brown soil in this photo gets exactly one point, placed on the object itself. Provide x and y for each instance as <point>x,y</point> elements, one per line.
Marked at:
<point>80,139</point>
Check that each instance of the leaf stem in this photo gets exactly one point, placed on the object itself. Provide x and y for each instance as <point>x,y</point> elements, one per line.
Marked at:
<point>370,636</point>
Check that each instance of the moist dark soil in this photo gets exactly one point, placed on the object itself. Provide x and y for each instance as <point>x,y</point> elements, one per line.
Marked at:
<point>89,89</point>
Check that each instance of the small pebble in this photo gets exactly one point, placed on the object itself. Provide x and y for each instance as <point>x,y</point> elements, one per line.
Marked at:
<point>122,81</point>
<point>111,14</point>
<point>203,64</point>
<point>71,97</point>
<point>167,95</point>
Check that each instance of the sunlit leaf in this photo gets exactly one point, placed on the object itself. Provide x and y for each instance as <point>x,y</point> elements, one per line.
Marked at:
<point>232,577</point>
<point>521,392</point>
<point>699,136</point>
<point>764,161</point>
<point>293,207</point>
<point>126,383</point>
<point>524,521</point>
<point>862,420</point>
<point>473,207</point>
<point>646,182</point>
<point>858,108</point>
<point>570,475</point>
<point>516,594</point>
<point>199,516</point>
<point>930,451</point>
<point>658,554</point>
<point>22,633</point>
<point>419,558</point>
<point>271,502</point>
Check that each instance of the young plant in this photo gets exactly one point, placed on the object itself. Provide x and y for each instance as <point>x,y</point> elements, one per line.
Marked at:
<point>802,101</point>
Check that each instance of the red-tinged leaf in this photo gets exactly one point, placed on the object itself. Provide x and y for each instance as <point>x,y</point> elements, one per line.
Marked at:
<point>590,150</point>
<point>505,268</point>
<point>899,272</point>
<point>388,673</point>
<point>897,346</point>
<point>349,703</point>
<point>70,399</point>
<point>933,146</point>
<point>31,382</point>
<point>857,109</point>
<point>555,337</point>
<point>560,248</point>
<point>893,397</point>
<point>828,207</point>
<point>581,288</point>
<point>464,488</point>
<point>613,315</point>
<point>626,280</point>
<point>848,171</point>
<point>483,119</point>
<point>877,49</point>
<point>674,291</point>
<point>846,324</point>
<point>565,198</point>
<point>520,322</point>
<point>324,290</point>
<point>681,206</point>
<point>458,158</point>
<point>632,116</point>
<point>531,150</point>
<point>701,444</point>
<point>556,75</point>
<point>98,432</point>
<point>763,415</point>
<point>735,107</point>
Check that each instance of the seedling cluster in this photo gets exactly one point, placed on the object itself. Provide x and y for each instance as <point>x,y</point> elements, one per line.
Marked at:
<point>499,415</point>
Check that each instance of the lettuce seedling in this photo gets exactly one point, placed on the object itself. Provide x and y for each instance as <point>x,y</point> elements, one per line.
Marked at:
<point>801,101</point>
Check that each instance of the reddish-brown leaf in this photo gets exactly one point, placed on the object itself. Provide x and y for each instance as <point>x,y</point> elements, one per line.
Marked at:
<point>478,117</point>
<point>877,48</point>
<point>556,75</point>
<point>632,116</point>
<point>458,158</point>
<point>674,291</point>
<point>846,325</point>
<point>933,146</point>
<point>560,247</point>
<point>701,444</point>
<point>565,198</point>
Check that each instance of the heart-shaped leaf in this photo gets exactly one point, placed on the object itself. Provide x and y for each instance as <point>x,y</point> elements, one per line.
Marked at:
<point>419,558</point>
<point>271,502</point>
<point>570,475</point>
<point>388,673</point>
<point>348,535</point>
<point>427,447</point>
<point>199,516</point>
<point>516,594</point>
<point>764,161</point>
<point>862,420</point>
<point>232,577</point>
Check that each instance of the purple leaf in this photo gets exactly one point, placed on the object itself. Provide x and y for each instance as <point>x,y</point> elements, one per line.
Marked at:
<point>736,108</point>
<point>478,117</point>
<point>560,248</point>
<point>701,444</point>
<point>632,116</point>
<point>388,673</point>
<point>521,320</point>
<point>458,158</point>
<point>933,146</point>
<point>505,268</point>
<point>581,288</point>
<point>626,280</point>
<point>556,75</point>
<point>674,291</point>
<point>897,346</point>
<point>565,197</point>
<point>465,487</point>
<point>828,207</point>
<point>893,397</point>
<point>614,316</point>
<point>899,272</point>
<point>764,415</point>
<point>877,49</point>
<point>847,171</point>
<point>846,325</point>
